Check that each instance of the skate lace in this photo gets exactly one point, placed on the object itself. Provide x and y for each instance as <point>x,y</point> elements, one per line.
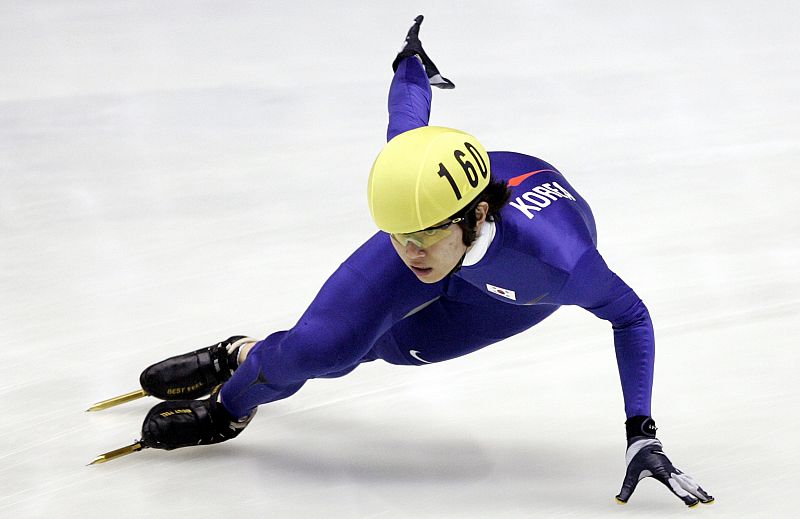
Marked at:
<point>235,347</point>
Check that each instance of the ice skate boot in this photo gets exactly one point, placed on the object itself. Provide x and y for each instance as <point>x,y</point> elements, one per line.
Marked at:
<point>183,423</point>
<point>194,374</point>
<point>187,376</point>
<point>412,46</point>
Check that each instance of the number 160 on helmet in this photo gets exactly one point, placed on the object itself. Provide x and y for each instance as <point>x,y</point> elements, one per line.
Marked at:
<point>424,176</point>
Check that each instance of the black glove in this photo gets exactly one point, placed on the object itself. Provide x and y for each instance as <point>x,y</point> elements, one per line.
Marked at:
<point>645,458</point>
<point>413,47</point>
<point>183,423</point>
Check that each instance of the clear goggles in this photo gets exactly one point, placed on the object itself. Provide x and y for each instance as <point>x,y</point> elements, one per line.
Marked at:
<point>426,237</point>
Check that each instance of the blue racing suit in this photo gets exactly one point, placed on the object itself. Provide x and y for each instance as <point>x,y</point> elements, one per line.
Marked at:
<point>539,254</point>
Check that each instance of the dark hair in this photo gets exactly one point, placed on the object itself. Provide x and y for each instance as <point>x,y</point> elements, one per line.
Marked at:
<point>496,194</point>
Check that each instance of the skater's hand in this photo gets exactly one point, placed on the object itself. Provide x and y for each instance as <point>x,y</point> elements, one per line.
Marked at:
<point>645,458</point>
<point>413,47</point>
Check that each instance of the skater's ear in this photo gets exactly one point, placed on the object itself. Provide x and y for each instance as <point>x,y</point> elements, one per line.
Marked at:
<point>481,212</point>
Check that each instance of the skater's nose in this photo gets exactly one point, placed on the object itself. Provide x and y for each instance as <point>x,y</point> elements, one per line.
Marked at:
<point>414,251</point>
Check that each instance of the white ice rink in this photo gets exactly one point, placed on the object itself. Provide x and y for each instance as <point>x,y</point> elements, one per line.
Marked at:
<point>172,173</point>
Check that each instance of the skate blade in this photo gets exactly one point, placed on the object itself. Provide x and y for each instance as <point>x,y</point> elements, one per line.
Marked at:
<point>118,453</point>
<point>117,400</point>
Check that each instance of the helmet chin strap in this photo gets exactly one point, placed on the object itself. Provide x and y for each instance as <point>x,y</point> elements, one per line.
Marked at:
<point>463,256</point>
<point>466,250</point>
<point>458,265</point>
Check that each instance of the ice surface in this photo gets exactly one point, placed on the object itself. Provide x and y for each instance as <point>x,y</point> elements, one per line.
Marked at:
<point>172,173</point>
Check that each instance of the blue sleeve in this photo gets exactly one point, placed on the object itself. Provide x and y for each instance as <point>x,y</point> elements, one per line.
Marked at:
<point>593,286</point>
<point>409,98</point>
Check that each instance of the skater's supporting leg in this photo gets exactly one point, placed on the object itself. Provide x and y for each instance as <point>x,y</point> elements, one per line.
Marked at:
<point>371,291</point>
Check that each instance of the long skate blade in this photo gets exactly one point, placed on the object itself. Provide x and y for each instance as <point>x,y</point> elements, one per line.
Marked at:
<point>117,400</point>
<point>118,453</point>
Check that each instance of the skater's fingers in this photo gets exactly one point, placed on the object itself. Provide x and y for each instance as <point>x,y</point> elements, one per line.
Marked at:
<point>629,484</point>
<point>676,488</point>
<point>690,485</point>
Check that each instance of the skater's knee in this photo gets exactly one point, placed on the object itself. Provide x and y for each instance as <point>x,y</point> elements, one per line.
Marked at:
<point>318,356</point>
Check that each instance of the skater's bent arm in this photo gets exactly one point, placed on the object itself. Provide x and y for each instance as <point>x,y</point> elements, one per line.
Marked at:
<point>596,288</point>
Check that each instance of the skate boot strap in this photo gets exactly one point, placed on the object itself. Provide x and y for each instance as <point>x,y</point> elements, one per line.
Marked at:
<point>183,423</point>
<point>193,374</point>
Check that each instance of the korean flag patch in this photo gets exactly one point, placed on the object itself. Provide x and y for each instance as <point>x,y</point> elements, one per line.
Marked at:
<point>504,292</point>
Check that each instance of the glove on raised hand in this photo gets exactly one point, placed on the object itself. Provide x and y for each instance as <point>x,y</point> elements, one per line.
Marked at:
<point>413,47</point>
<point>645,458</point>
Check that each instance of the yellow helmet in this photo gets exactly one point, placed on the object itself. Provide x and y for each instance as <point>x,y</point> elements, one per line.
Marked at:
<point>424,176</point>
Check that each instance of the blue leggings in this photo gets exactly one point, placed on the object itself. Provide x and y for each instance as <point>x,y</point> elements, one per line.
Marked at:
<point>400,320</point>
<point>451,328</point>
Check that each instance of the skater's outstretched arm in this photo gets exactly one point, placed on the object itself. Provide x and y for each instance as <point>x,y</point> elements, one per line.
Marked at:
<point>595,287</point>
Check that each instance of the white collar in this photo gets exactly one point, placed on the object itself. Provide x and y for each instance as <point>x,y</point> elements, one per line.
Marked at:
<point>481,244</point>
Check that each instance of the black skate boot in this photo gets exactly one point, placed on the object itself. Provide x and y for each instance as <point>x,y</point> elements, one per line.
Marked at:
<point>183,423</point>
<point>194,374</point>
<point>413,47</point>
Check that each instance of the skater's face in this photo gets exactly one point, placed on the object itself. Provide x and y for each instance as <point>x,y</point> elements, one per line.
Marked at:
<point>431,263</point>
